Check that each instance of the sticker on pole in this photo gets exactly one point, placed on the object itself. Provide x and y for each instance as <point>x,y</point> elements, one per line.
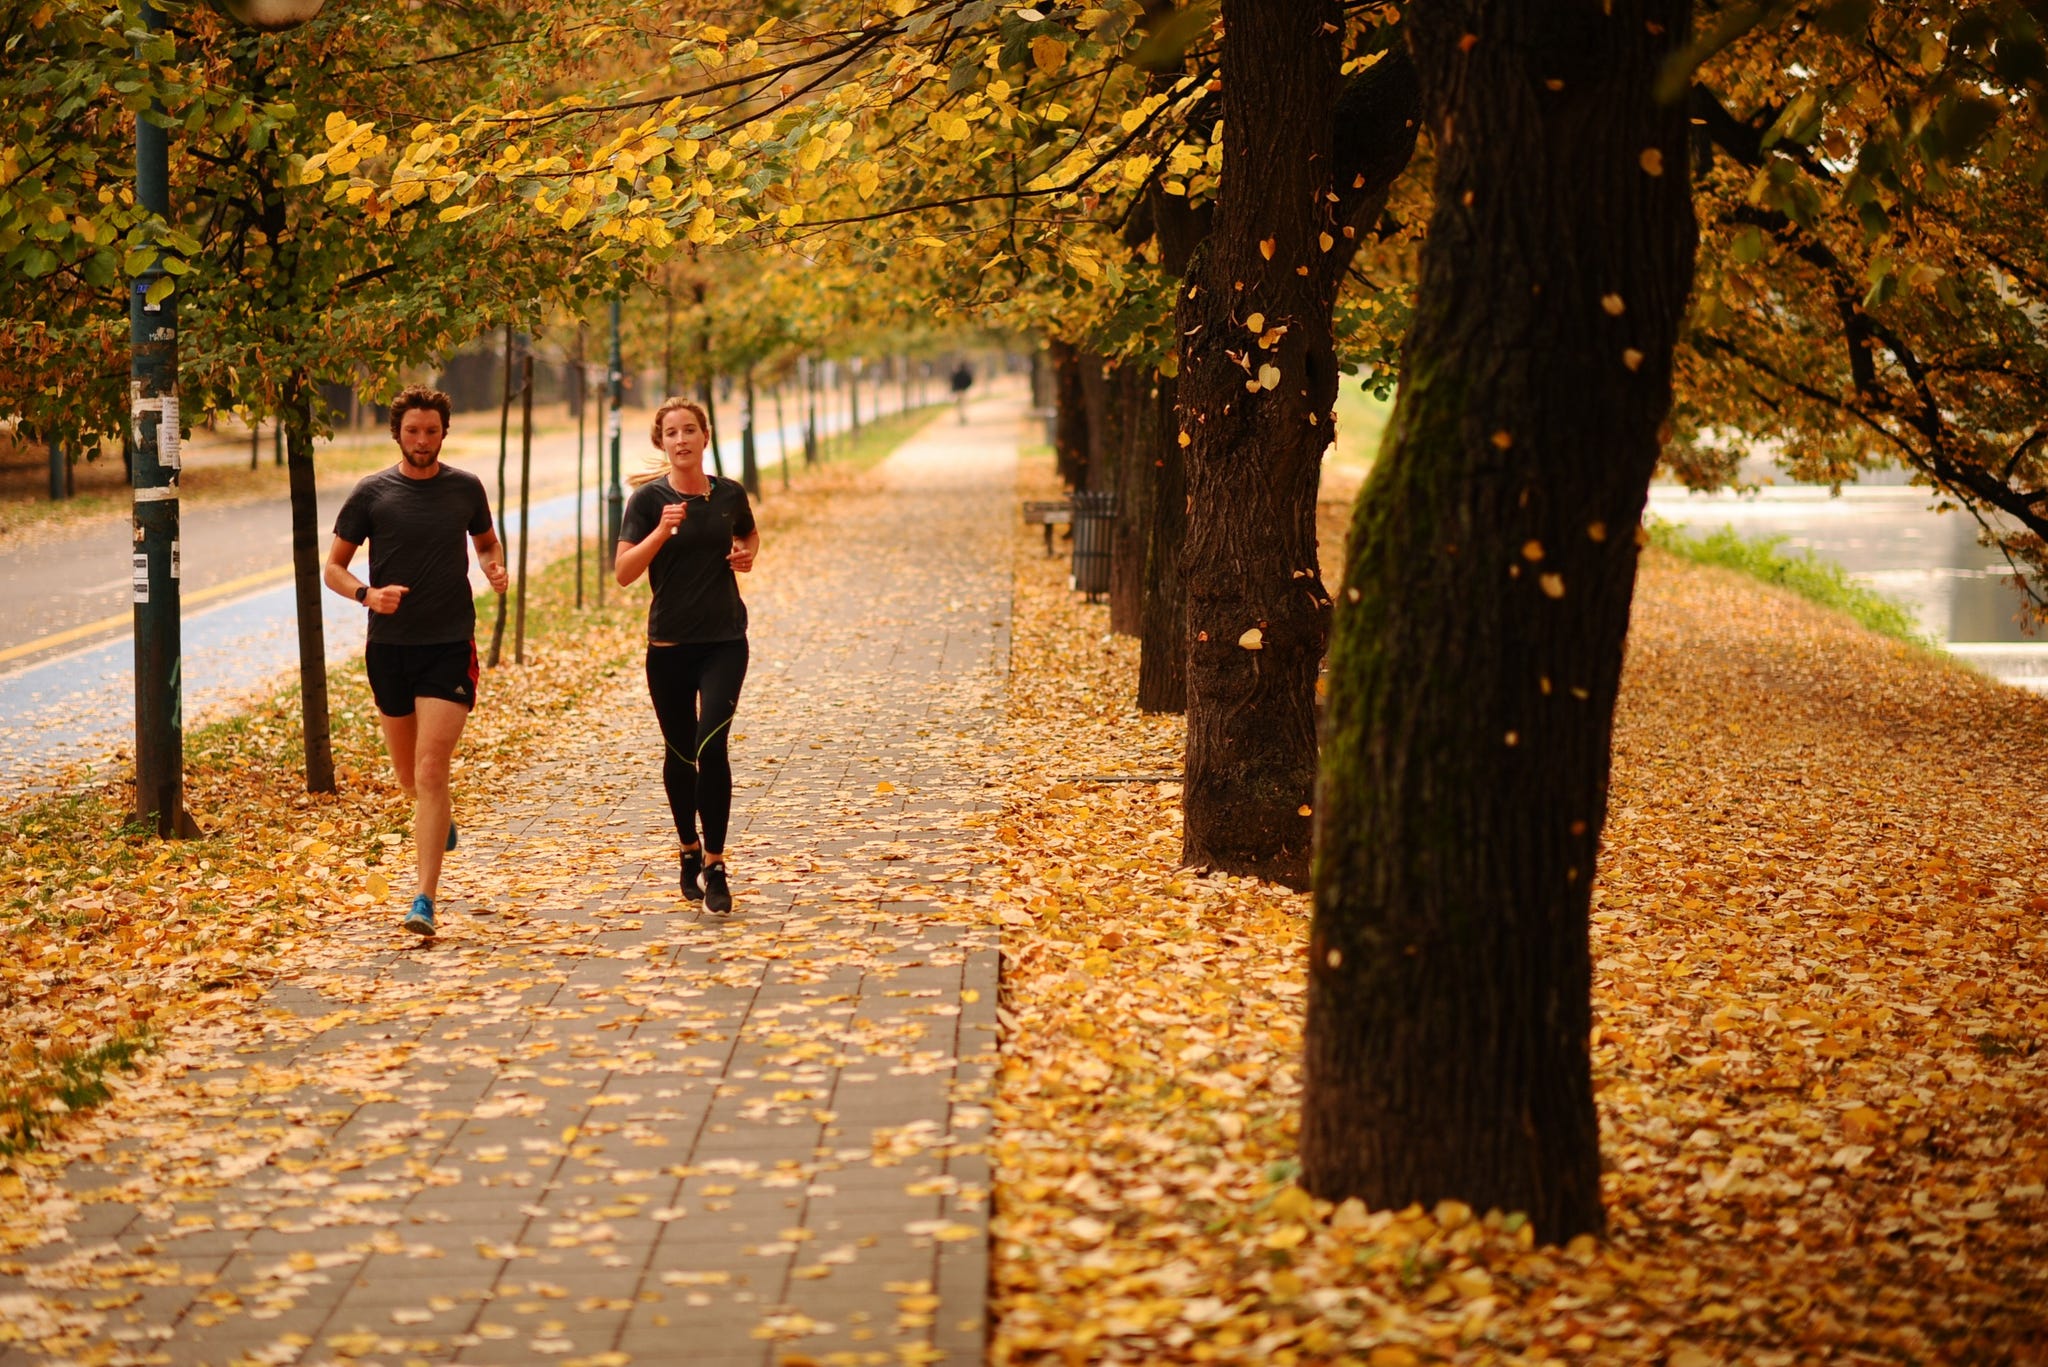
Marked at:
<point>141,577</point>
<point>168,452</point>
<point>616,425</point>
<point>174,560</point>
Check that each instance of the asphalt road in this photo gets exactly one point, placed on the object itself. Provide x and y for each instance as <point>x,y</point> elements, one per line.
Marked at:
<point>66,650</point>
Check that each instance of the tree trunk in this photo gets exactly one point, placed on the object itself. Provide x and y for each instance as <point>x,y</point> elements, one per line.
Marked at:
<point>1256,607</point>
<point>1099,391</point>
<point>750,461</point>
<point>525,501</point>
<point>1479,648</point>
<point>497,649</point>
<point>1070,425</point>
<point>306,570</point>
<point>1163,625</point>
<point>1137,426</point>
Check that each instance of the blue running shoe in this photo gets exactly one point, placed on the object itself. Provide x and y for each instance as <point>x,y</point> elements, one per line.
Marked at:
<point>451,834</point>
<point>420,920</point>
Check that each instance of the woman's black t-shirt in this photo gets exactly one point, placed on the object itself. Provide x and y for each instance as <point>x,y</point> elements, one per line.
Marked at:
<point>696,593</point>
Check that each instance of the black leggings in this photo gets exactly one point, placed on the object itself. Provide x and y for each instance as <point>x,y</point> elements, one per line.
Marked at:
<point>696,689</point>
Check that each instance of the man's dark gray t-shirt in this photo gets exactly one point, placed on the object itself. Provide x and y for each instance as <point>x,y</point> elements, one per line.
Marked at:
<point>417,530</point>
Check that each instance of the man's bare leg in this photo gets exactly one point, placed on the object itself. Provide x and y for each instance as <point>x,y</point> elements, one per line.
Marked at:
<point>440,727</point>
<point>401,736</point>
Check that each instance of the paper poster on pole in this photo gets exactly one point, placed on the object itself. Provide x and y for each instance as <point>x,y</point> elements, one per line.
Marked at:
<point>167,453</point>
<point>174,560</point>
<point>141,580</point>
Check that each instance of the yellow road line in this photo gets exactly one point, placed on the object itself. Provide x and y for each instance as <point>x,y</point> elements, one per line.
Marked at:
<point>127,619</point>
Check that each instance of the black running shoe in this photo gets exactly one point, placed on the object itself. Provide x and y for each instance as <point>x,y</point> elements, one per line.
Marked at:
<point>717,896</point>
<point>693,873</point>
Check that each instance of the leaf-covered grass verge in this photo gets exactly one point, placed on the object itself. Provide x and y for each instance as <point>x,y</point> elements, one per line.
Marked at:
<point>36,1098</point>
<point>1819,957</point>
<point>1819,581</point>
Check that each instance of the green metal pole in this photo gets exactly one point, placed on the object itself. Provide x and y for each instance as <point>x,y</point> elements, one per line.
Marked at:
<point>153,474</point>
<point>615,495</point>
<point>750,465</point>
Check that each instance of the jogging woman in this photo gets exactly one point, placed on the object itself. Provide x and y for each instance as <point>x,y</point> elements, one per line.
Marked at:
<point>688,532</point>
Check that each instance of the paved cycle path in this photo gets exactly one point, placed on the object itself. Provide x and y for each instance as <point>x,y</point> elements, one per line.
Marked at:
<point>587,1125</point>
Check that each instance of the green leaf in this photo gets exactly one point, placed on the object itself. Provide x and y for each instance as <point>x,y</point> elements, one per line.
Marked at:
<point>159,290</point>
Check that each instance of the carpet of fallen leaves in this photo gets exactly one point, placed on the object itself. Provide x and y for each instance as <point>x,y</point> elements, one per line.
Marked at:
<point>1821,998</point>
<point>111,934</point>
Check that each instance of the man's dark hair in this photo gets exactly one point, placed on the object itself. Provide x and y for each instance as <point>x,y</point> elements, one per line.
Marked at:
<point>419,396</point>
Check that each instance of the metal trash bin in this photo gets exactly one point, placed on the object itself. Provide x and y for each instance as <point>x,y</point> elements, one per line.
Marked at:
<point>1094,518</point>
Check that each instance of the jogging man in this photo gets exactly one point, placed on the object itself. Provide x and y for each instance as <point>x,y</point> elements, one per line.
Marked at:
<point>421,656</point>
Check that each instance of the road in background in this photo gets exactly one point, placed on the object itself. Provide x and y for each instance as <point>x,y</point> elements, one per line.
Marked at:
<point>73,699</point>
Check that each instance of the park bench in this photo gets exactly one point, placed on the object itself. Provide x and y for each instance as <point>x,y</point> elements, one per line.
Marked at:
<point>1048,513</point>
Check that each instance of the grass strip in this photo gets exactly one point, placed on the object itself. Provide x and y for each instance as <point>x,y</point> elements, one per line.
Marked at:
<point>877,440</point>
<point>1819,581</point>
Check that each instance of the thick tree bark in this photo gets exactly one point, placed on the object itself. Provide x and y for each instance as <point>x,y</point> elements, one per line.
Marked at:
<point>1258,382</point>
<point>1099,388</point>
<point>1070,426</point>
<point>1486,599</point>
<point>306,585</point>
<point>1138,430</point>
<point>1163,624</point>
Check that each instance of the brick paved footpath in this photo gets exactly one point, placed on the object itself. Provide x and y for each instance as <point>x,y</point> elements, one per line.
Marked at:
<point>585,1126</point>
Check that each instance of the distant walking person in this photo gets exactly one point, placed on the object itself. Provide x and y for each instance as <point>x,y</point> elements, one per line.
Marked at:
<point>689,532</point>
<point>963,380</point>
<point>421,656</point>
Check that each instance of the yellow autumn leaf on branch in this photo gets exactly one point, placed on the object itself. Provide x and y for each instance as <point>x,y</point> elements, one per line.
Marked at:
<point>1048,54</point>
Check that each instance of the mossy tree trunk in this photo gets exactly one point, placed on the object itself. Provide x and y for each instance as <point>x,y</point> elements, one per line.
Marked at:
<point>1258,381</point>
<point>1485,605</point>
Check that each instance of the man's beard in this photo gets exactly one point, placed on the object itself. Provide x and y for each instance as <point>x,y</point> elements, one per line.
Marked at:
<point>420,462</point>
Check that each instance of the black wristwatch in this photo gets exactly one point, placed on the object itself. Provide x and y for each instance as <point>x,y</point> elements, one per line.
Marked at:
<point>362,593</point>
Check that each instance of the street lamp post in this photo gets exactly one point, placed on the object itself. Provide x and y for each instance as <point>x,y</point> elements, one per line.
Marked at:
<point>154,466</point>
<point>153,476</point>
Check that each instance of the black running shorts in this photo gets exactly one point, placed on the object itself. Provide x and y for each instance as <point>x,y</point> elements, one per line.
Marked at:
<point>401,673</point>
